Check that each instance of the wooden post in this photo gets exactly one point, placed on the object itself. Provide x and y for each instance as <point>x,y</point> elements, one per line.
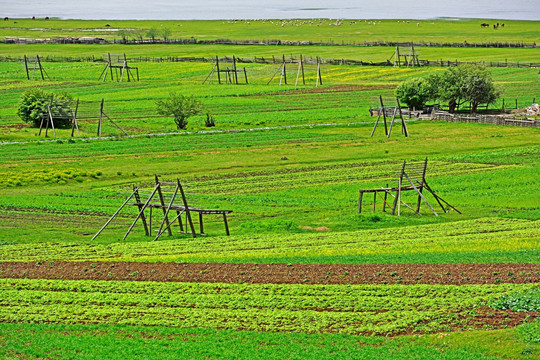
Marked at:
<point>235,71</point>
<point>141,213</point>
<point>376,123</point>
<point>384,116</point>
<point>162,201</point>
<point>404,126</point>
<point>166,215</point>
<point>226,224</point>
<point>201,223</point>
<point>143,217</point>
<point>245,75</point>
<point>110,66</point>
<point>188,213</point>
<point>385,198</point>
<point>114,215</point>
<point>74,122</point>
<point>392,123</point>
<point>180,220</point>
<point>26,66</point>
<point>52,122</point>
<point>360,201</point>
<point>421,187</point>
<point>40,67</point>
<point>397,198</point>
<point>100,117</point>
<point>302,66</point>
<point>319,78</point>
<point>374,200</point>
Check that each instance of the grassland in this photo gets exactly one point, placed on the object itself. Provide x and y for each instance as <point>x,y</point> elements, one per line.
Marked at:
<point>323,30</point>
<point>293,170</point>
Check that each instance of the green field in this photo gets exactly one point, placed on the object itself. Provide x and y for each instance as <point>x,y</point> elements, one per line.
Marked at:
<point>289,161</point>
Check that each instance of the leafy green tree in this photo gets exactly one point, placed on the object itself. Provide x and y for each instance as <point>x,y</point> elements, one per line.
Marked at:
<point>152,33</point>
<point>415,92</point>
<point>166,33</point>
<point>34,103</point>
<point>465,83</point>
<point>180,107</point>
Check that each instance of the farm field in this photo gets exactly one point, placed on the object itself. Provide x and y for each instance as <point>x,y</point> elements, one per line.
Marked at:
<point>303,274</point>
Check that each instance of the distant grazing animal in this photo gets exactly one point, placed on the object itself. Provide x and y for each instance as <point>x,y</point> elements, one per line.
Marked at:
<point>495,26</point>
<point>33,18</point>
<point>107,25</point>
<point>502,25</point>
<point>6,18</point>
<point>46,18</point>
<point>484,25</point>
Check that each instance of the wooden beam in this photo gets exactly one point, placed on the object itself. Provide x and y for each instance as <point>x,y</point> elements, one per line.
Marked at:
<point>114,215</point>
<point>404,126</point>
<point>166,215</point>
<point>392,123</point>
<point>143,218</point>
<point>419,193</point>
<point>162,201</point>
<point>384,116</point>
<point>188,213</point>
<point>141,211</point>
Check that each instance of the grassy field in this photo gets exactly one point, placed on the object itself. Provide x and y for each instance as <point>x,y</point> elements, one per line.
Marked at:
<point>288,160</point>
<point>323,30</point>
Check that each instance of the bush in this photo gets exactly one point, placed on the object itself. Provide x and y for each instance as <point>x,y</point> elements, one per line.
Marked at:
<point>180,107</point>
<point>414,92</point>
<point>33,106</point>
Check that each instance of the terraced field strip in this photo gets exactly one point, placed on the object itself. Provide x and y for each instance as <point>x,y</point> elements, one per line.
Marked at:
<point>455,274</point>
<point>351,309</point>
<point>484,240</point>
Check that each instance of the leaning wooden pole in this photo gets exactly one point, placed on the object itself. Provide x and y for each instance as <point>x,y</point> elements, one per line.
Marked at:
<point>384,116</point>
<point>218,73</point>
<point>40,67</point>
<point>166,216</point>
<point>162,201</point>
<point>26,67</point>
<point>186,207</point>
<point>404,126</point>
<point>100,118</point>
<point>141,211</point>
<point>114,215</point>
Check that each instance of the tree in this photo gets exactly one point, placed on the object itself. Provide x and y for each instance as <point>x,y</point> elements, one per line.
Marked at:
<point>415,92</point>
<point>180,107</point>
<point>152,33</point>
<point>465,83</point>
<point>34,104</point>
<point>166,33</point>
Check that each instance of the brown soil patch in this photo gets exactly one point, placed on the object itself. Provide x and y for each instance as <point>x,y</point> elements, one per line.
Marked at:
<point>455,274</point>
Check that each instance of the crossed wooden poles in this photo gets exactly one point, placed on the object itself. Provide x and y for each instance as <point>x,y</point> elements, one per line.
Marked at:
<point>396,111</point>
<point>231,75</point>
<point>412,178</point>
<point>283,70</point>
<point>124,68</point>
<point>37,65</point>
<point>166,224</point>
<point>47,119</point>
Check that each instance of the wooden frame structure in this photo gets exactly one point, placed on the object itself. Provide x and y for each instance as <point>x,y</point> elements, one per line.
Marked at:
<point>231,75</point>
<point>47,119</point>
<point>282,70</point>
<point>409,58</point>
<point>412,177</point>
<point>115,64</point>
<point>386,110</point>
<point>167,207</point>
<point>37,65</point>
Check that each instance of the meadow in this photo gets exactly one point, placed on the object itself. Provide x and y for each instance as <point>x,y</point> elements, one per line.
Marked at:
<point>289,161</point>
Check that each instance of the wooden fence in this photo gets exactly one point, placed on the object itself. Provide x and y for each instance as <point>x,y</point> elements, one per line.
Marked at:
<point>277,60</point>
<point>485,119</point>
<point>192,40</point>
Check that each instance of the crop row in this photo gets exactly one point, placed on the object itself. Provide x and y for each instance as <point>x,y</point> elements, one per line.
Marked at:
<point>315,308</point>
<point>480,240</point>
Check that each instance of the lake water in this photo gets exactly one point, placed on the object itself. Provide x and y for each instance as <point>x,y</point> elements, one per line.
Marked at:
<point>272,9</point>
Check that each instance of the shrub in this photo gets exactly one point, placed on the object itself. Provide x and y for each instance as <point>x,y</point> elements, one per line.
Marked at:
<point>33,106</point>
<point>209,122</point>
<point>180,107</point>
<point>414,92</point>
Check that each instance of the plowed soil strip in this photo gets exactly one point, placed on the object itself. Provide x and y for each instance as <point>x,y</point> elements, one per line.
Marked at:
<point>454,274</point>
